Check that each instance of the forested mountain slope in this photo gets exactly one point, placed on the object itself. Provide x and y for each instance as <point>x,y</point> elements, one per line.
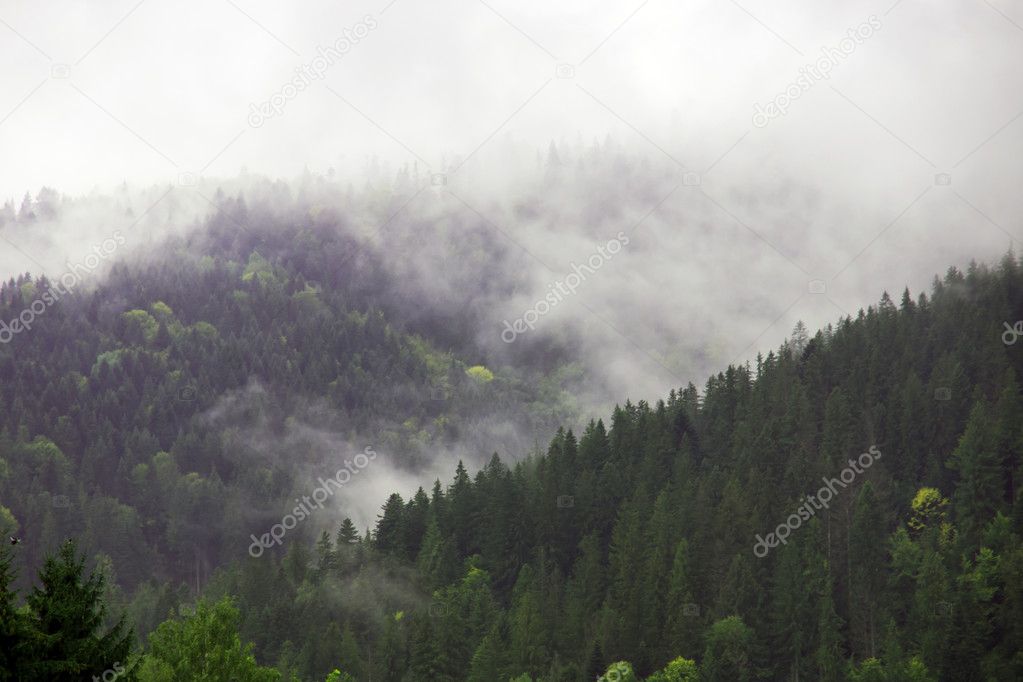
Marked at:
<point>693,527</point>
<point>170,411</point>
<point>637,540</point>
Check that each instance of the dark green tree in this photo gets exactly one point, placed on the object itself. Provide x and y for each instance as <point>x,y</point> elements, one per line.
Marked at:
<point>69,614</point>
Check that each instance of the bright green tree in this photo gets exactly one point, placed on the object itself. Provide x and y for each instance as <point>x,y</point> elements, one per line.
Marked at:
<point>678,670</point>
<point>203,646</point>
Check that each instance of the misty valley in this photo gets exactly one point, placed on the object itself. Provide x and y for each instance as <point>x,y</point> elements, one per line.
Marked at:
<point>257,453</point>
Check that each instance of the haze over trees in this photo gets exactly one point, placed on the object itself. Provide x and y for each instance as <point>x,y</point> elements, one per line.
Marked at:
<point>178,408</point>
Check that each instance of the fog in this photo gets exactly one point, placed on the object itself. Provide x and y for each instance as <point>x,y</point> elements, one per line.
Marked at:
<point>554,129</point>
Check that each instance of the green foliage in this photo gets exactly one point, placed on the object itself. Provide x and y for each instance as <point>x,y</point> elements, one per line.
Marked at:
<point>141,326</point>
<point>869,670</point>
<point>258,269</point>
<point>928,511</point>
<point>16,633</point>
<point>728,653</point>
<point>66,615</point>
<point>480,374</point>
<point>980,490</point>
<point>678,670</point>
<point>338,676</point>
<point>202,646</point>
<point>8,524</point>
<point>874,670</point>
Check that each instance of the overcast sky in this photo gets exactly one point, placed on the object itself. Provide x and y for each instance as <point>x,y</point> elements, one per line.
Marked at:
<point>904,160</point>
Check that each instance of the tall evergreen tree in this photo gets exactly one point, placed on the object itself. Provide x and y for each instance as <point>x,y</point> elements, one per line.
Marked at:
<point>70,614</point>
<point>981,488</point>
<point>17,639</point>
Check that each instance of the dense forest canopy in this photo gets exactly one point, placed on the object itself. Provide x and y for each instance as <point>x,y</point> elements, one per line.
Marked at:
<point>187,403</point>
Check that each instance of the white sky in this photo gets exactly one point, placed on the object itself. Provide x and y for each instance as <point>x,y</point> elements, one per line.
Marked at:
<point>158,88</point>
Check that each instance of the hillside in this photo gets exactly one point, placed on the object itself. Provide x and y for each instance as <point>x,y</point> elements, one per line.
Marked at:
<point>848,508</point>
<point>209,382</point>
<point>638,540</point>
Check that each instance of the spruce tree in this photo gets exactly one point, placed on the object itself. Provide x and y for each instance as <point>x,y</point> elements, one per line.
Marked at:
<point>980,489</point>
<point>69,613</point>
<point>17,638</point>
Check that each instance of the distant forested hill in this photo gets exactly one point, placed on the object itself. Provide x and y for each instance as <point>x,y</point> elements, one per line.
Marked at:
<point>167,413</point>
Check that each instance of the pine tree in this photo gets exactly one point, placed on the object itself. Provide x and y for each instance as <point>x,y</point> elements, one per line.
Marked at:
<point>461,514</point>
<point>931,617</point>
<point>623,594</point>
<point>347,533</point>
<point>867,580</point>
<point>595,662</point>
<point>528,640</point>
<point>981,488</point>
<point>390,531</point>
<point>69,614</point>
<point>417,514</point>
<point>584,594</point>
<point>345,545</point>
<point>793,623</point>
<point>828,657</point>
<point>325,559</point>
<point>391,657</point>
<point>16,636</point>
<point>351,659</point>
<point>488,662</point>
<point>437,562</point>
<point>424,657</point>
<point>683,612</point>
<point>296,562</point>
<point>1009,437</point>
